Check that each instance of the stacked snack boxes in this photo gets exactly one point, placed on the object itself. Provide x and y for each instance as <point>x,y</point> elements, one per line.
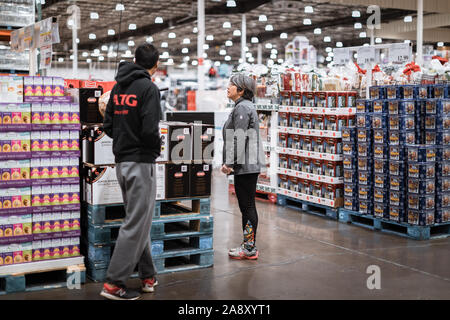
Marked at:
<point>350,169</point>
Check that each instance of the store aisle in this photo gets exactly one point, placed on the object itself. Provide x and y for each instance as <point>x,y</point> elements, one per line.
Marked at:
<point>301,257</point>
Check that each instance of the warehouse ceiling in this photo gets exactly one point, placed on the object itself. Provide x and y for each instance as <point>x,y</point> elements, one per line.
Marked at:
<point>180,17</point>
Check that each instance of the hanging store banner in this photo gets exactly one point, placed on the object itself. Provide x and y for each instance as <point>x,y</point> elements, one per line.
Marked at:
<point>41,34</point>
<point>46,57</point>
<point>400,53</point>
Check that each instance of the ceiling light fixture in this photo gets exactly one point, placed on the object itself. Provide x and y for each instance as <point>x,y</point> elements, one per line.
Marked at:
<point>132,26</point>
<point>172,35</point>
<point>227,58</point>
<point>356,14</point>
<point>327,39</point>
<point>184,50</point>
<point>317,31</point>
<point>328,49</point>
<point>159,20</point>
<point>339,44</point>
<point>217,63</point>
<point>209,37</point>
<point>222,52</point>
<point>92,36</point>
<point>111,32</point>
<point>104,48</point>
<point>378,40</point>
<point>120,7</point>
<point>407,41</point>
<point>280,61</point>
<point>269,27</point>
<point>94,15</point>
<point>88,60</point>
<point>228,43</point>
<point>205,46</point>
<point>149,39</point>
<point>226,25</point>
<point>262,18</point>
<point>236,33</point>
<point>309,9</point>
<point>284,35</point>
<point>231,3</point>
<point>407,19</point>
<point>358,25</point>
<point>306,21</point>
<point>362,34</point>
<point>194,62</point>
<point>273,56</point>
<point>101,58</point>
<point>186,41</point>
<point>274,51</point>
<point>195,30</point>
<point>254,40</point>
<point>440,44</point>
<point>268,46</point>
<point>131,43</point>
<point>251,59</point>
<point>60,59</point>
<point>164,45</point>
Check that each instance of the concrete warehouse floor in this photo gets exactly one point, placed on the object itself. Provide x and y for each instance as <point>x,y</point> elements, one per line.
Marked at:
<point>301,257</point>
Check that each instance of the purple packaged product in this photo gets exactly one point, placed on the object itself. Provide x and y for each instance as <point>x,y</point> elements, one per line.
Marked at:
<point>364,149</point>
<point>443,200</point>
<point>348,134</point>
<point>380,106</point>
<point>443,106</point>
<point>381,195</point>
<point>397,183</point>
<point>363,106</point>
<point>381,210</point>
<point>351,203</point>
<point>364,178</point>
<point>381,166</point>
<point>443,168</point>
<point>377,92</point>
<point>363,135</point>
<point>38,89</point>
<point>421,153</point>
<point>397,153</point>
<point>350,176</point>
<point>365,192</point>
<point>396,198</point>
<point>365,164</point>
<point>421,203</point>
<point>380,136</point>
<point>349,162</point>
<point>48,89</point>
<point>442,215</point>
<point>396,213</point>
<point>422,187</point>
<point>379,120</point>
<point>408,92</point>
<point>364,120</point>
<point>350,190</point>
<point>380,151</point>
<point>365,206</point>
<point>349,148</point>
<point>396,168</point>
<point>422,218</point>
<point>391,92</point>
<point>422,170</point>
<point>381,180</point>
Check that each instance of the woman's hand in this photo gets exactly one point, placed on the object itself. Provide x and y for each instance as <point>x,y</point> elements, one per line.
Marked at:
<point>226,170</point>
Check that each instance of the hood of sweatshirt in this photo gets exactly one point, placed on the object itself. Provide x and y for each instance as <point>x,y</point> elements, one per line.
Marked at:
<point>129,72</point>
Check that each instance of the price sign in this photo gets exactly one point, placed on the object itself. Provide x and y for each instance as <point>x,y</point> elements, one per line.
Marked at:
<point>400,52</point>
<point>341,56</point>
<point>366,55</point>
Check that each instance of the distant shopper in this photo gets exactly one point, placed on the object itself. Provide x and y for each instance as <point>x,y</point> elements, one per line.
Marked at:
<point>242,155</point>
<point>132,121</point>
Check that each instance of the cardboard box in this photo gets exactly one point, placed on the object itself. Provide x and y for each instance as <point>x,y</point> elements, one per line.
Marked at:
<point>177,180</point>
<point>97,146</point>
<point>89,103</point>
<point>200,181</point>
<point>11,89</point>
<point>203,142</point>
<point>101,185</point>
<point>176,142</point>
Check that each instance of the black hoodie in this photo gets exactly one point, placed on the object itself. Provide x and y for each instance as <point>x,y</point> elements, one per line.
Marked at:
<point>132,115</point>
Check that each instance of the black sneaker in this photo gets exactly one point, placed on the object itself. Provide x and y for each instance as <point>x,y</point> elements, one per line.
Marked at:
<point>117,293</point>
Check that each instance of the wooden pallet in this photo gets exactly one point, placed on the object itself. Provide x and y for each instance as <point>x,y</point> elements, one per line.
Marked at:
<point>113,213</point>
<point>163,264</point>
<point>436,231</point>
<point>260,195</point>
<point>308,207</point>
<point>50,278</point>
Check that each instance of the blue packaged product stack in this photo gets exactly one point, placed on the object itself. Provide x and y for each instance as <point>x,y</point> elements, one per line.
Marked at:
<point>350,169</point>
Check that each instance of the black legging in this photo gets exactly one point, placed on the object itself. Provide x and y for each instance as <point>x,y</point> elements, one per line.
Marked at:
<point>245,187</point>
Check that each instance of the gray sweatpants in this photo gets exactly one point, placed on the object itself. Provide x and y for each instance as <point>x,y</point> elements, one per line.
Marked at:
<point>138,184</point>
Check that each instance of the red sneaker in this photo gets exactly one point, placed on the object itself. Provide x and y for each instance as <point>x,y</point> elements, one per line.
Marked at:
<point>148,285</point>
<point>113,292</point>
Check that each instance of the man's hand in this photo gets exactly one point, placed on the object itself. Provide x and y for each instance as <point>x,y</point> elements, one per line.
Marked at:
<point>226,170</point>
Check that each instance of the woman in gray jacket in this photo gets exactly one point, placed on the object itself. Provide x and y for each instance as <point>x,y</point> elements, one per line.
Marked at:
<point>243,156</point>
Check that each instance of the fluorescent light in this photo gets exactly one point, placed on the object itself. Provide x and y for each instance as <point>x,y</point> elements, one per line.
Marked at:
<point>128,53</point>
<point>94,15</point>
<point>104,48</point>
<point>309,9</point>
<point>195,30</point>
<point>164,45</point>
<point>440,44</point>
<point>284,35</point>
<point>407,41</point>
<point>132,26</point>
<point>240,60</point>
<point>217,63</point>
<point>149,39</point>
<point>71,57</point>
<point>226,25</point>
<point>186,58</point>
<point>248,54</point>
<point>227,58</point>
<point>317,31</point>
<point>85,54</point>
<point>159,20</point>
<point>92,36</point>
<point>184,50</point>
<point>60,59</point>
<point>120,7</point>
<point>269,27</point>
<point>205,46</point>
<point>327,39</point>
<point>268,46</point>
<point>280,61</point>
<point>251,59</point>
<point>228,43</point>
<point>131,43</point>
<point>355,56</point>
<point>262,18</point>
<point>274,51</point>
<point>111,32</point>
<point>165,55</point>
<point>378,40</point>
<point>222,52</point>
<point>101,58</point>
<point>254,40</point>
<point>205,55</point>
<point>328,49</point>
<point>77,41</point>
<point>362,34</point>
<point>194,62</point>
<point>69,22</point>
<point>186,41</point>
<point>330,54</point>
<point>236,33</point>
<point>231,3</point>
<point>273,56</point>
<point>270,62</point>
<point>306,21</point>
<point>246,49</point>
<point>407,19</point>
<point>88,60</point>
<point>96,51</point>
<point>172,35</point>
<point>339,44</point>
<point>328,59</point>
<point>358,25</point>
<point>170,61</point>
<point>209,37</point>
<point>356,14</point>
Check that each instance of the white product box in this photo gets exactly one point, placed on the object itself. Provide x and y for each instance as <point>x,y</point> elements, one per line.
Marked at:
<point>11,89</point>
<point>97,148</point>
<point>101,186</point>
<point>160,181</point>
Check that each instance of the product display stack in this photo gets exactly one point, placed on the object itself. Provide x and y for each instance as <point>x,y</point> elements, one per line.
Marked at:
<point>310,145</point>
<point>40,195</point>
<point>182,224</point>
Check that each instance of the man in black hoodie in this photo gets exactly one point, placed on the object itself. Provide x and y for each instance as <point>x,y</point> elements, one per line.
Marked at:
<point>132,120</point>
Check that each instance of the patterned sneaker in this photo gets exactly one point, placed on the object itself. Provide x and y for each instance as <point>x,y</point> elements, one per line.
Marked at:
<point>148,285</point>
<point>116,293</point>
<point>242,254</point>
<point>237,249</point>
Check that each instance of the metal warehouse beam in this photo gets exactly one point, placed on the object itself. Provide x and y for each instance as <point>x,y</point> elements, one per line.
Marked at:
<point>429,35</point>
